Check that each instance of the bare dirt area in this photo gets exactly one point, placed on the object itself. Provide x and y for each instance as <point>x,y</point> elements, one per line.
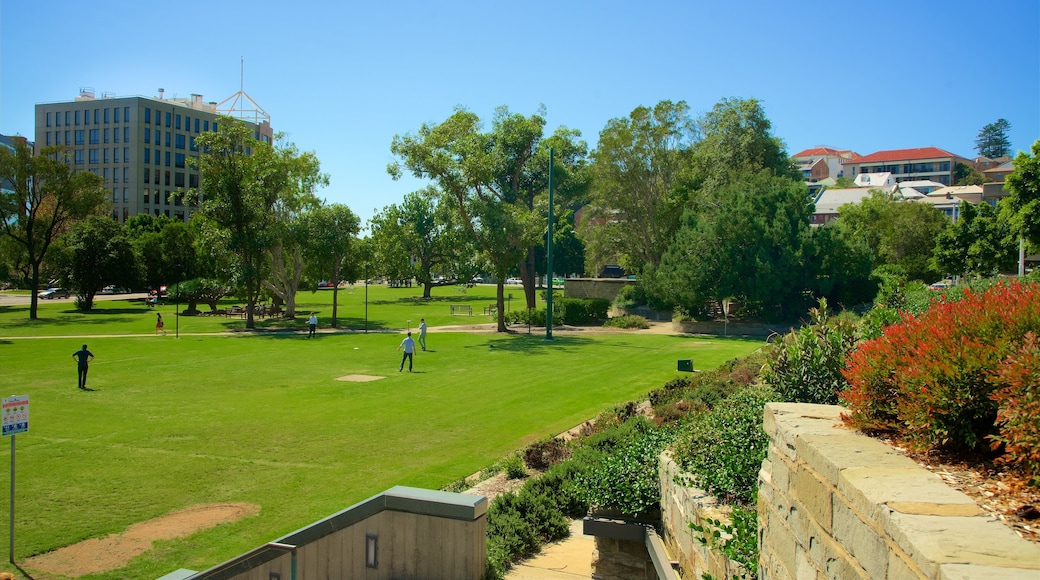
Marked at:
<point>115,551</point>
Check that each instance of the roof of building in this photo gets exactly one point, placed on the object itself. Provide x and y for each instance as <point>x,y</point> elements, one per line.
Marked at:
<point>905,154</point>
<point>874,179</point>
<point>1008,166</point>
<point>831,199</point>
<point>826,151</point>
<point>921,184</point>
<point>960,190</point>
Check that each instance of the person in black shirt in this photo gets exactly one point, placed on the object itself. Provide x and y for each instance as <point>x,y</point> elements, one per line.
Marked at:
<point>83,356</point>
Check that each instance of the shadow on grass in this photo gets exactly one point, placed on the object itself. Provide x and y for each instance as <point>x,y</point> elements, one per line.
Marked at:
<point>532,344</point>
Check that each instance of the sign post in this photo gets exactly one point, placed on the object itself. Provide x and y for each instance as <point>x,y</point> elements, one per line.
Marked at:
<point>15,420</point>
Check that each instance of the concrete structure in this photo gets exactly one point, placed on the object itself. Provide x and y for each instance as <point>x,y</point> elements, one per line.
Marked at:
<point>833,503</point>
<point>139,145</point>
<point>404,532</point>
<point>607,288</point>
<point>9,143</point>
<point>875,180</point>
<point>828,203</point>
<point>929,163</point>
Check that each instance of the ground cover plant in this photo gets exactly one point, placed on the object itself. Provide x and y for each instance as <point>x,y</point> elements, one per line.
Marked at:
<point>260,418</point>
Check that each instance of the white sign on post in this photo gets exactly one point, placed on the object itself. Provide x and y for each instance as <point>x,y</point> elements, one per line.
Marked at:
<point>15,414</point>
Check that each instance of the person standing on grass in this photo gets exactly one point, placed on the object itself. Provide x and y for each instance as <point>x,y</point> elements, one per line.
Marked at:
<point>408,345</point>
<point>83,356</point>
<point>312,324</point>
<point>422,333</point>
<point>159,324</point>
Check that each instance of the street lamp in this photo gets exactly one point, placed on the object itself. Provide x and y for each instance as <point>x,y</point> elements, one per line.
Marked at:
<point>366,298</point>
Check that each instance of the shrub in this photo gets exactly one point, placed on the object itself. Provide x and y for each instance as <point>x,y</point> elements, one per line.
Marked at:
<point>931,378</point>
<point>737,540</point>
<point>545,453</point>
<point>584,310</point>
<point>626,298</point>
<point>534,317</point>
<point>724,448</point>
<point>806,364</point>
<point>627,321</point>
<point>1018,406</point>
<point>513,467</point>
<point>626,478</point>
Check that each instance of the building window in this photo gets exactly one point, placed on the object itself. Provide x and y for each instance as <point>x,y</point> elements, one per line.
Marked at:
<point>93,156</point>
<point>215,127</point>
<point>191,143</point>
<point>49,119</point>
<point>115,136</point>
<point>126,134</point>
<point>178,181</point>
<point>147,136</point>
<point>156,182</point>
<point>167,159</point>
<point>106,134</point>
<point>147,115</point>
<point>78,157</point>
<point>157,160</point>
<point>147,156</point>
<point>126,191</point>
<point>97,116</point>
<point>166,212</point>
<point>178,161</point>
<point>115,114</point>
<point>104,174</point>
<point>147,178</point>
<point>48,138</point>
<point>126,179</point>
<point>115,194</point>
<point>196,124</point>
<point>126,114</point>
<point>67,116</point>
<point>944,166</point>
<point>206,125</point>
<point>169,117</point>
<point>166,182</point>
<point>115,155</point>
<point>95,136</point>
<point>79,136</point>
<point>179,142</point>
<point>177,122</point>
<point>77,117</point>
<point>106,116</point>
<point>67,140</point>
<point>105,155</point>
<point>126,155</point>
<point>168,134</point>
<point>193,180</point>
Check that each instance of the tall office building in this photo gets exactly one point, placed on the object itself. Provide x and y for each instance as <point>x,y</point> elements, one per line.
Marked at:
<point>139,145</point>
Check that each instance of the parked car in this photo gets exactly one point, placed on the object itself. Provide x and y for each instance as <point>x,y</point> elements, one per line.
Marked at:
<point>52,293</point>
<point>110,289</point>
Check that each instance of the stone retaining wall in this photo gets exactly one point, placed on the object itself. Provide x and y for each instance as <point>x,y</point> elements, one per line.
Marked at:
<point>682,505</point>
<point>834,503</point>
<point>729,329</point>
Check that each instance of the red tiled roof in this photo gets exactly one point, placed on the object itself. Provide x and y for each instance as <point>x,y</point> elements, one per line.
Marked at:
<point>821,151</point>
<point>905,154</point>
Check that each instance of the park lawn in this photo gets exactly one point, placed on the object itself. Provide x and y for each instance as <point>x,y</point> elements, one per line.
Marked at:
<point>388,308</point>
<point>261,419</point>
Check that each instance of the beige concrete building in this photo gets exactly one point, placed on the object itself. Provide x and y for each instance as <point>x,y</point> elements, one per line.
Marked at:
<point>139,145</point>
<point>929,163</point>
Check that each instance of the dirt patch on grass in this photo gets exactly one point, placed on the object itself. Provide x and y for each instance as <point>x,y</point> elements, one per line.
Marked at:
<point>359,378</point>
<point>112,552</point>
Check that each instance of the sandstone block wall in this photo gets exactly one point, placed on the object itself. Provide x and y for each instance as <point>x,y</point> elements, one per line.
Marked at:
<point>833,503</point>
<point>681,505</point>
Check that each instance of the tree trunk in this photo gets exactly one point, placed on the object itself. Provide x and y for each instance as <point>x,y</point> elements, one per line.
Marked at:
<point>528,273</point>
<point>34,300</point>
<point>501,301</point>
<point>426,290</point>
<point>335,296</point>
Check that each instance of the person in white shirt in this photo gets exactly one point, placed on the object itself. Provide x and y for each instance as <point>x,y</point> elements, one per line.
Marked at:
<point>422,333</point>
<point>409,348</point>
<point>312,324</point>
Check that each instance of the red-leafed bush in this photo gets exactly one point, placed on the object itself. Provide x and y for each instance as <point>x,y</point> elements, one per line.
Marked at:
<point>1018,400</point>
<point>932,379</point>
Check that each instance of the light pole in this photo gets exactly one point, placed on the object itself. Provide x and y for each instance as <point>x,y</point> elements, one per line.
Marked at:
<point>366,298</point>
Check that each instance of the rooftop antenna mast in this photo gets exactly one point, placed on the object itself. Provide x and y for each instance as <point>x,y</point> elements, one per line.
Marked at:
<point>241,105</point>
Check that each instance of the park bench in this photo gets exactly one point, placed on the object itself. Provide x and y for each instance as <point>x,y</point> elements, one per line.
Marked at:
<point>491,310</point>
<point>461,309</point>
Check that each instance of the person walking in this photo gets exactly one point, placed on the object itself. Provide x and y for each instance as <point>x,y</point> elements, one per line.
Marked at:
<point>312,324</point>
<point>408,345</point>
<point>159,324</point>
<point>83,356</point>
<point>422,334</point>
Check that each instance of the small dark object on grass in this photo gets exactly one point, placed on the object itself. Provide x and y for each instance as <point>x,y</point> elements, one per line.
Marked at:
<point>1028,512</point>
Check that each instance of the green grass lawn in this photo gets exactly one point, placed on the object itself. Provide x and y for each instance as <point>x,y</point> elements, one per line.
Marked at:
<point>262,419</point>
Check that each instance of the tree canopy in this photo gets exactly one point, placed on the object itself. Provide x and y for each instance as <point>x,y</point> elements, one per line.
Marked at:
<point>993,141</point>
<point>47,198</point>
<point>1023,204</point>
<point>979,243</point>
<point>331,240</point>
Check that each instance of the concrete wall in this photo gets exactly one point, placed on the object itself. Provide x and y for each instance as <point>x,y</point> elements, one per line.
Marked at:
<point>834,503</point>
<point>420,534</point>
<point>716,328</point>
<point>595,287</point>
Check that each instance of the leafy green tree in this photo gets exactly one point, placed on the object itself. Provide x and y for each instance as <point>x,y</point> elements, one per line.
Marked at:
<point>422,239</point>
<point>839,265</point>
<point>248,186</point>
<point>979,243</point>
<point>744,241</point>
<point>492,180</point>
<point>964,174</point>
<point>331,246</point>
<point>899,233</point>
<point>47,198</point>
<point>635,205</point>
<point>100,254</point>
<point>993,140</point>
<point>1023,205</point>
<point>736,138</point>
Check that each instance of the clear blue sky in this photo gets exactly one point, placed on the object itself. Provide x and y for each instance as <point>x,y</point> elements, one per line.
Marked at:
<point>342,78</point>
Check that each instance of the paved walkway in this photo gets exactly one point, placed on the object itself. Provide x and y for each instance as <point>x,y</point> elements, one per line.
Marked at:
<point>568,559</point>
